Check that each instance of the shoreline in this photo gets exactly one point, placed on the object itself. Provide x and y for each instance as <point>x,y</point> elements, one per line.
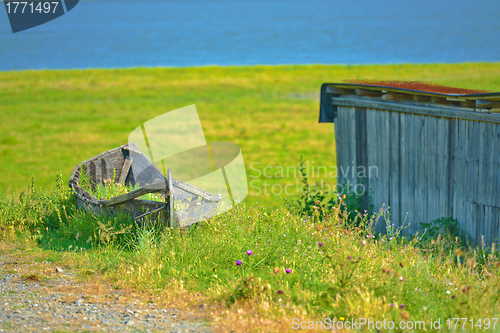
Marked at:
<point>212,66</point>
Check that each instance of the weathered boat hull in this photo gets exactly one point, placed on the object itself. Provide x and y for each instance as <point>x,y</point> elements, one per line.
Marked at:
<point>131,167</point>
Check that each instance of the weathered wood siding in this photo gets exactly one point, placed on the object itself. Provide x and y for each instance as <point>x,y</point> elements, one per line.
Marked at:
<point>423,165</point>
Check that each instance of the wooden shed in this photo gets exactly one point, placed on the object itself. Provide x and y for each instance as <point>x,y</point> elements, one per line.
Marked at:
<point>432,152</point>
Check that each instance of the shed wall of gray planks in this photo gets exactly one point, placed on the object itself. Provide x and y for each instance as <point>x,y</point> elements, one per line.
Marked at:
<point>422,166</point>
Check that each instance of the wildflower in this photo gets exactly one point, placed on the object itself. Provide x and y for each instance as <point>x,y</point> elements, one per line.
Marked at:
<point>392,305</point>
<point>349,257</point>
<point>401,278</point>
<point>280,291</point>
<point>448,292</point>
<point>402,306</point>
<point>367,236</point>
<point>363,242</point>
<point>342,318</point>
<point>452,296</point>
<point>315,207</point>
<point>249,252</point>
<point>238,262</point>
<point>288,271</point>
<point>320,244</point>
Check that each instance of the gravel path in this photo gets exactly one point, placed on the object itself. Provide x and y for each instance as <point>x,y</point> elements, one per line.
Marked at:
<point>29,303</point>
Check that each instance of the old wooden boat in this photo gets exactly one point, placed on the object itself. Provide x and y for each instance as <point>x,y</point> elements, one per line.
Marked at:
<point>129,166</point>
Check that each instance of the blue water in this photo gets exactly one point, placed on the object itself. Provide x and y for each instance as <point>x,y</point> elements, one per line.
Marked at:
<point>116,34</point>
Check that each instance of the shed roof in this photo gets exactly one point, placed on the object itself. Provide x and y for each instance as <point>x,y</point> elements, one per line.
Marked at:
<point>418,93</point>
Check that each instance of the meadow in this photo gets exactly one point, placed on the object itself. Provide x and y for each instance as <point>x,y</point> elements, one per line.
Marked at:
<point>253,269</point>
<point>263,266</point>
<point>52,120</point>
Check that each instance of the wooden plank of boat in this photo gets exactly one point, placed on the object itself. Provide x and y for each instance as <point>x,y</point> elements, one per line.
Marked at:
<point>196,191</point>
<point>150,212</point>
<point>125,169</point>
<point>187,217</point>
<point>158,185</point>
<point>169,199</point>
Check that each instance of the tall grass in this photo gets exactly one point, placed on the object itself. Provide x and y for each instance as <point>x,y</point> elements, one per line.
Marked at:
<point>281,264</point>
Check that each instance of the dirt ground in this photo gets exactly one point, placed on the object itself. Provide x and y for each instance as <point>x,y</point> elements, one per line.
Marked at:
<point>42,294</point>
<point>42,297</point>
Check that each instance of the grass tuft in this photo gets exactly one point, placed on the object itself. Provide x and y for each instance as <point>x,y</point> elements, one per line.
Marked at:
<point>270,264</point>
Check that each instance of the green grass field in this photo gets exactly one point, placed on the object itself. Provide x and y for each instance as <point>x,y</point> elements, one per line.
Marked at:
<point>52,120</point>
<point>306,267</point>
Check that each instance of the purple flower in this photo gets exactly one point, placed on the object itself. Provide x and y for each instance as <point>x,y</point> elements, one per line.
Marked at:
<point>280,291</point>
<point>320,244</point>
<point>402,306</point>
<point>288,271</point>
<point>249,252</point>
<point>392,304</point>
<point>238,262</point>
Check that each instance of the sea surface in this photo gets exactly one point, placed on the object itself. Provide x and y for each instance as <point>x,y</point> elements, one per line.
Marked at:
<point>179,33</point>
